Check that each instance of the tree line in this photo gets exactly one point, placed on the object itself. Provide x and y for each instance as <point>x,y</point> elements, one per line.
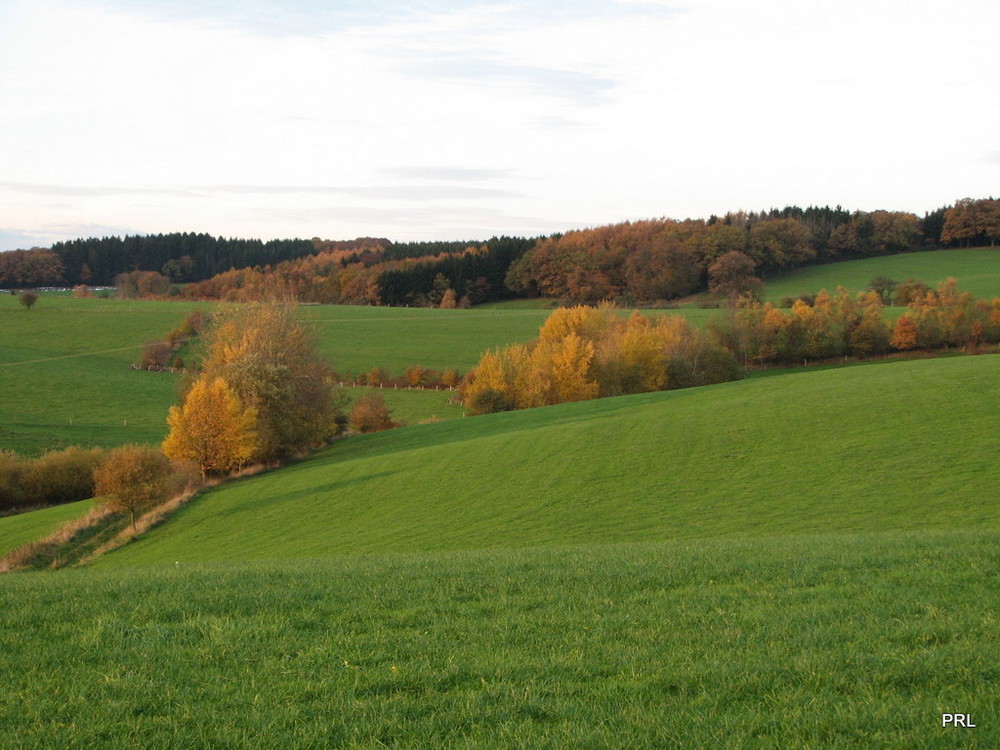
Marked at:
<point>584,352</point>
<point>587,352</point>
<point>639,262</point>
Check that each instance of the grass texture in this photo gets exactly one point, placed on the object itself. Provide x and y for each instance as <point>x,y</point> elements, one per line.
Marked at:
<point>833,641</point>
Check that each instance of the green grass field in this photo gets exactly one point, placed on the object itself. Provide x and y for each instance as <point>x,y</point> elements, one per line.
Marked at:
<point>831,640</point>
<point>902,445</point>
<point>977,271</point>
<point>66,380</point>
<point>803,561</point>
<point>23,528</point>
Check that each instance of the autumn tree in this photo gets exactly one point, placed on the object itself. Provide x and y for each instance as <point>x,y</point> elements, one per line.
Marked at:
<point>212,428</point>
<point>27,299</point>
<point>732,276</point>
<point>132,479</point>
<point>904,335</point>
<point>780,243</point>
<point>585,352</point>
<point>448,301</point>
<point>871,335</point>
<point>269,359</point>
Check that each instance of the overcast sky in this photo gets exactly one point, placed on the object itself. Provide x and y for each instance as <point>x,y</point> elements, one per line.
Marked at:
<point>457,119</point>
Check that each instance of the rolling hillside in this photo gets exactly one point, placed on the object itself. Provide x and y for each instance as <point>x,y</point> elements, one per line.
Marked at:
<point>904,445</point>
<point>798,561</point>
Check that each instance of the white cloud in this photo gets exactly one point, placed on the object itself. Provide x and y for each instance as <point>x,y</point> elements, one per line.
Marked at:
<point>246,118</point>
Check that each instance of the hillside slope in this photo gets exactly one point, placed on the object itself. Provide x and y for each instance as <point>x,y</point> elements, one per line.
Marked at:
<point>977,270</point>
<point>904,445</point>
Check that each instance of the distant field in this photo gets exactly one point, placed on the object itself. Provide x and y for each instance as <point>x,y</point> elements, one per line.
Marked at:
<point>903,445</point>
<point>65,376</point>
<point>66,380</point>
<point>64,368</point>
<point>29,527</point>
<point>977,271</point>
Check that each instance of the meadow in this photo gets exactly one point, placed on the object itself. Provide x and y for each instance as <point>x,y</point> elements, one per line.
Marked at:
<point>828,640</point>
<point>903,445</point>
<point>66,379</point>
<point>64,365</point>
<point>977,271</point>
<point>797,561</point>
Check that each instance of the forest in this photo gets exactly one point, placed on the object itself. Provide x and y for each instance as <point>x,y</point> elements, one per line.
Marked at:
<point>632,263</point>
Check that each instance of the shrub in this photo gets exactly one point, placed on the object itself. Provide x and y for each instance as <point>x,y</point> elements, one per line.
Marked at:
<point>155,354</point>
<point>28,299</point>
<point>490,401</point>
<point>415,375</point>
<point>370,414</point>
<point>63,476</point>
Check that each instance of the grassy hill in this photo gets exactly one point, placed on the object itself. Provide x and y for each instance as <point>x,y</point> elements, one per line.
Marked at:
<point>799,561</point>
<point>66,380</point>
<point>904,445</point>
<point>977,270</point>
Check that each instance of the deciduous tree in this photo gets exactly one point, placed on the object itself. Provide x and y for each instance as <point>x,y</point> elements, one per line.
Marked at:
<point>27,299</point>
<point>269,358</point>
<point>212,429</point>
<point>133,478</point>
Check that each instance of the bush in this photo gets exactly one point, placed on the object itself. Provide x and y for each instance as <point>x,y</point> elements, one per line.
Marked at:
<point>62,476</point>
<point>11,469</point>
<point>57,477</point>
<point>489,401</point>
<point>155,354</point>
<point>370,414</point>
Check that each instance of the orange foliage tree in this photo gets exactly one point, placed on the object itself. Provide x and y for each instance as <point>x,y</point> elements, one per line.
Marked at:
<point>133,478</point>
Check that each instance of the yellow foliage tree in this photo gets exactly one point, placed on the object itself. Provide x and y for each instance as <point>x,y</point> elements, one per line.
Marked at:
<point>589,323</point>
<point>212,428</point>
<point>269,358</point>
<point>571,379</point>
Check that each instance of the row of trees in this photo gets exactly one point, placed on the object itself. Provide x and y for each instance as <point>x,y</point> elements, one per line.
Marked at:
<point>665,259</point>
<point>972,222</point>
<point>451,277</point>
<point>838,325</point>
<point>590,352</point>
<point>181,257</point>
<point>30,268</point>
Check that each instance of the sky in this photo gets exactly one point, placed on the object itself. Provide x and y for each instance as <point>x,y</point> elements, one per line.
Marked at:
<point>457,119</point>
